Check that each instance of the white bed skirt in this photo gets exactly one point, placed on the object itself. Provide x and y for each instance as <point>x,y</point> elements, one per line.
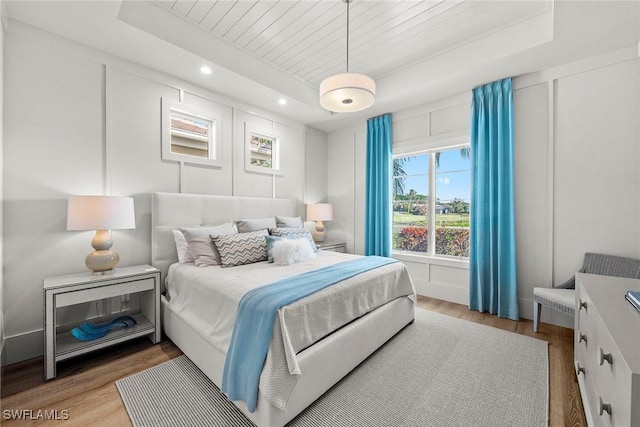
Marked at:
<point>322,364</point>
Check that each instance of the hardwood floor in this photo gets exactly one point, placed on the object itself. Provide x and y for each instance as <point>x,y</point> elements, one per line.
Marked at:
<point>85,386</point>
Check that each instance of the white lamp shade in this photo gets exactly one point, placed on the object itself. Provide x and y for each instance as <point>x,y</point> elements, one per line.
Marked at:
<point>347,92</point>
<point>100,213</point>
<point>320,212</point>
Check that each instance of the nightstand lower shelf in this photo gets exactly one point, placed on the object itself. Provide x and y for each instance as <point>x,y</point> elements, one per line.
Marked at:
<point>68,346</point>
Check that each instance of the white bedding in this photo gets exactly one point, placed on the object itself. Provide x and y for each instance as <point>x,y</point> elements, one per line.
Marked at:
<point>207,299</point>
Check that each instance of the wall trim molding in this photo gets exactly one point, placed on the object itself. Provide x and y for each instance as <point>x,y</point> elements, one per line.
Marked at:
<point>25,346</point>
<point>21,29</point>
<point>628,53</point>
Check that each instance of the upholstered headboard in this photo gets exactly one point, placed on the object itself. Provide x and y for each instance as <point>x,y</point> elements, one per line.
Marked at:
<point>172,210</point>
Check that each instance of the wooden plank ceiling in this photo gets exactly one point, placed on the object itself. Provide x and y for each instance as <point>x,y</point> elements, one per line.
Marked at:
<point>307,38</point>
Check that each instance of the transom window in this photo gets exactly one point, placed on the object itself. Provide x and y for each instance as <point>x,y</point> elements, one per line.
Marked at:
<point>437,225</point>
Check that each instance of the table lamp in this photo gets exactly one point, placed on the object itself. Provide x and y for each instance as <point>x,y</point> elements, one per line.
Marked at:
<point>319,212</point>
<point>103,214</point>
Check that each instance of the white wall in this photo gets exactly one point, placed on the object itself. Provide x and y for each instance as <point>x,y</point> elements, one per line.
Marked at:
<point>576,170</point>
<point>79,121</point>
<point>577,174</point>
<point>315,166</point>
<point>2,30</point>
<point>346,187</point>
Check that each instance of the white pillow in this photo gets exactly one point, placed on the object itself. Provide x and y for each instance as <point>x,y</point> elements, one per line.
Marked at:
<point>248,225</point>
<point>182,247</point>
<point>200,244</point>
<point>288,221</point>
<point>291,251</point>
<point>295,233</point>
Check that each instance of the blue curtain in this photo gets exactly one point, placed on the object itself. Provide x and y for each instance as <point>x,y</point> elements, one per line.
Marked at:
<point>492,260</point>
<point>377,232</point>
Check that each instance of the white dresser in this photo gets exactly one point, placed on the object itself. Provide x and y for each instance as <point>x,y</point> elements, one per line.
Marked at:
<point>607,350</point>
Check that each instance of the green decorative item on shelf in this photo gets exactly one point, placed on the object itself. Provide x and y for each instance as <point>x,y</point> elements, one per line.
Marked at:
<point>89,331</point>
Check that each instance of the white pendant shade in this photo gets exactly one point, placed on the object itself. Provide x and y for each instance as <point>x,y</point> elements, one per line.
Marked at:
<point>347,92</point>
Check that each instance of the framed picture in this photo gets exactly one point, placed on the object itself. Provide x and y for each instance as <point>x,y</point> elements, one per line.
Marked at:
<point>262,152</point>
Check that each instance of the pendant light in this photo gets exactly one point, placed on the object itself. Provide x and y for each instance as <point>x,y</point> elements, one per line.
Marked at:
<point>347,92</point>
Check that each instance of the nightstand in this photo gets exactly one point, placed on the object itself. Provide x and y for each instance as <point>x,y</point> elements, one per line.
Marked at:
<point>142,281</point>
<point>332,246</point>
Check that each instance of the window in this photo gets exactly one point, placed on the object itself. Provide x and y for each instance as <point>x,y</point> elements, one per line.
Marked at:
<point>191,133</point>
<point>262,152</point>
<point>432,191</point>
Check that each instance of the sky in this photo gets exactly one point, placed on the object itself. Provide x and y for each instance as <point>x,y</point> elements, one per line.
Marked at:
<point>453,177</point>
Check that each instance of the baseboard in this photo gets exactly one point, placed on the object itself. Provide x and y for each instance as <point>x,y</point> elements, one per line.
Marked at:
<point>442,291</point>
<point>22,347</point>
<point>460,295</point>
<point>548,315</point>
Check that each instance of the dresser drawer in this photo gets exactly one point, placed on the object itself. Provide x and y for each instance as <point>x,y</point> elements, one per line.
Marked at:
<point>586,322</point>
<point>612,376</point>
<point>619,415</point>
<point>610,357</point>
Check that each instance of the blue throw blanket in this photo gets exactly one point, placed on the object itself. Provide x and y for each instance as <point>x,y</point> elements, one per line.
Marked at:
<point>256,316</point>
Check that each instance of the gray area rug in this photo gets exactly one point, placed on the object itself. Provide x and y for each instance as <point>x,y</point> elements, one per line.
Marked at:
<point>440,371</point>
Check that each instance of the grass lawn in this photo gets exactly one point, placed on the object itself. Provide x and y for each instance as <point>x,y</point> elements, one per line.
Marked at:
<point>403,218</point>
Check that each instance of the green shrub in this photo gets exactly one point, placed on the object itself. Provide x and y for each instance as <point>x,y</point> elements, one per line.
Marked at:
<point>449,241</point>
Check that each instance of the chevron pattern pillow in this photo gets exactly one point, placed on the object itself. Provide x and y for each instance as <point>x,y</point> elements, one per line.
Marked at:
<point>295,233</point>
<point>242,248</point>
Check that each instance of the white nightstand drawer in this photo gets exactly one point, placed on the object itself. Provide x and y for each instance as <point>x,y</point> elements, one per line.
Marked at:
<point>102,292</point>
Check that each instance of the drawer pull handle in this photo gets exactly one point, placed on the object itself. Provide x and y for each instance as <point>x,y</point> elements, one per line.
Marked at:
<point>604,407</point>
<point>605,356</point>
<point>581,370</point>
<point>583,304</point>
<point>583,337</point>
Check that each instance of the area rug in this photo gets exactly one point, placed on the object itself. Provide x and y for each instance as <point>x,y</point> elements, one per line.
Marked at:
<point>440,371</point>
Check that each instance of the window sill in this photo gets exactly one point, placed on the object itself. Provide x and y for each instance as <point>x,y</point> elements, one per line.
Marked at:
<point>432,259</point>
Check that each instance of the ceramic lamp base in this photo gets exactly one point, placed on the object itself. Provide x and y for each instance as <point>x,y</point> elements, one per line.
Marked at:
<point>103,259</point>
<point>102,262</point>
<point>318,234</point>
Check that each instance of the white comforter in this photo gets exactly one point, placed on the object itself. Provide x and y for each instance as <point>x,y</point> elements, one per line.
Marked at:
<point>207,299</point>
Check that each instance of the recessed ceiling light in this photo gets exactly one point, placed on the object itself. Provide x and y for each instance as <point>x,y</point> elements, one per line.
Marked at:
<point>205,70</point>
<point>282,101</point>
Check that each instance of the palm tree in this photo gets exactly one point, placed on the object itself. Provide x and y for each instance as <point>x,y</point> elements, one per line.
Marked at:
<point>412,194</point>
<point>399,176</point>
<point>465,153</point>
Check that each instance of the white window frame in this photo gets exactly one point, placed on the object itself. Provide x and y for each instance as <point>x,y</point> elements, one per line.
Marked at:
<point>431,225</point>
<point>275,168</point>
<point>214,142</point>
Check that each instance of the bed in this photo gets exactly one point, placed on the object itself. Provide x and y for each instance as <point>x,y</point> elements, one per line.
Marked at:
<point>322,361</point>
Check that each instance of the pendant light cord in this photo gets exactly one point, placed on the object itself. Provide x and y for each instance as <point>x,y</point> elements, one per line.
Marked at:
<point>348,2</point>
